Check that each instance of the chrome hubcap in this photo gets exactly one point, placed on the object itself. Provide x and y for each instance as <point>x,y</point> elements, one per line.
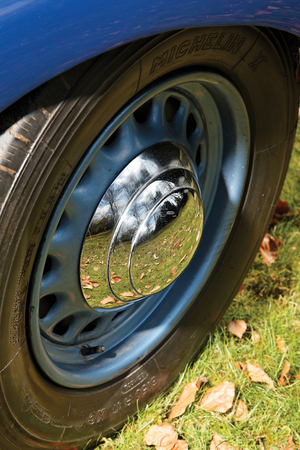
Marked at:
<point>145,230</point>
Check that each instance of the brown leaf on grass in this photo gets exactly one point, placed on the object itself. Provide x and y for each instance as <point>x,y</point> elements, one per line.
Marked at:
<point>297,376</point>
<point>282,209</point>
<point>181,445</point>
<point>154,289</point>
<point>187,397</point>
<point>96,268</point>
<point>241,412</point>
<point>183,259</point>
<point>237,327</point>
<point>107,300</point>
<point>142,275</point>
<point>86,296</point>
<point>127,294</point>
<point>241,366</point>
<point>258,375</point>
<point>115,279</point>
<point>95,283</point>
<point>201,380</point>
<point>241,290</point>
<point>291,444</point>
<point>280,344</point>
<point>285,375</point>
<point>255,337</point>
<point>269,249</point>
<point>163,436</point>
<point>218,443</point>
<point>218,398</point>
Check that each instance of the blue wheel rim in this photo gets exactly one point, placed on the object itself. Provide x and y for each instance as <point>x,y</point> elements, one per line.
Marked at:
<point>210,119</point>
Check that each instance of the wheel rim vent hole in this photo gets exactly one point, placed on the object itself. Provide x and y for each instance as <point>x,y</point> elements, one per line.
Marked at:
<point>143,112</point>
<point>198,156</point>
<point>191,125</point>
<point>46,303</point>
<point>112,138</point>
<point>171,107</point>
<point>62,327</point>
<point>48,266</point>
<point>90,327</point>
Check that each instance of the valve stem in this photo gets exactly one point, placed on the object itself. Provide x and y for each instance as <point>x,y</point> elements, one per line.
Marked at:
<point>85,351</point>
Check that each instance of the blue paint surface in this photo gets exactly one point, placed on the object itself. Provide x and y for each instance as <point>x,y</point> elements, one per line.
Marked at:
<point>41,38</point>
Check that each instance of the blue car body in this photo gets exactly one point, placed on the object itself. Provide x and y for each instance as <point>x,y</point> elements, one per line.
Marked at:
<point>42,38</point>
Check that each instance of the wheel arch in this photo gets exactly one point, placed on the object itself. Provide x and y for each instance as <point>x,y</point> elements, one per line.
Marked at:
<point>41,40</point>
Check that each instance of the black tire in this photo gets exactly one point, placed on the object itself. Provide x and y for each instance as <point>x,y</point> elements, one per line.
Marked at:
<point>44,137</point>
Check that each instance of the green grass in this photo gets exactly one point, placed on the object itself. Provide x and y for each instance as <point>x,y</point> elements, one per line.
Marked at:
<point>270,305</point>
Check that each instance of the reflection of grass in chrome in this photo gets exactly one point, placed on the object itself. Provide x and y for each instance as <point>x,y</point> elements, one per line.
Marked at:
<point>93,270</point>
<point>155,263</point>
<point>158,262</point>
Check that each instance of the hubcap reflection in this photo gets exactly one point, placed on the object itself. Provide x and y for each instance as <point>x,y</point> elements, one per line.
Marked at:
<point>145,230</point>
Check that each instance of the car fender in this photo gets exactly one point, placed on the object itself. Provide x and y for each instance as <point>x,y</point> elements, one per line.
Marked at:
<point>42,38</point>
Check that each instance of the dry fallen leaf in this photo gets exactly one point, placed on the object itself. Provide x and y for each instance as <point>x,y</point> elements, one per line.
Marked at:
<point>297,376</point>
<point>201,380</point>
<point>127,294</point>
<point>269,249</point>
<point>241,366</point>
<point>107,300</point>
<point>237,327</point>
<point>187,397</point>
<point>282,209</point>
<point>218,398</point>
<point>163,436</point>
<point>154,289</point>
<point>241,412</point>
<point>258,375</point>
<point>181,445</point>
<point>255,337</point>
<point>291,444</point>
<point>218,443</point>
<point>183,258</point>
<point>96,268</point>
<point>285,374</point>
<point>280,344</point>
<point>86,296</point>
<point>115,279</point>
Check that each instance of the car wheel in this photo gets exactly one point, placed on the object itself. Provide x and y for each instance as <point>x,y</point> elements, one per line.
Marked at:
<point>136,190</point>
